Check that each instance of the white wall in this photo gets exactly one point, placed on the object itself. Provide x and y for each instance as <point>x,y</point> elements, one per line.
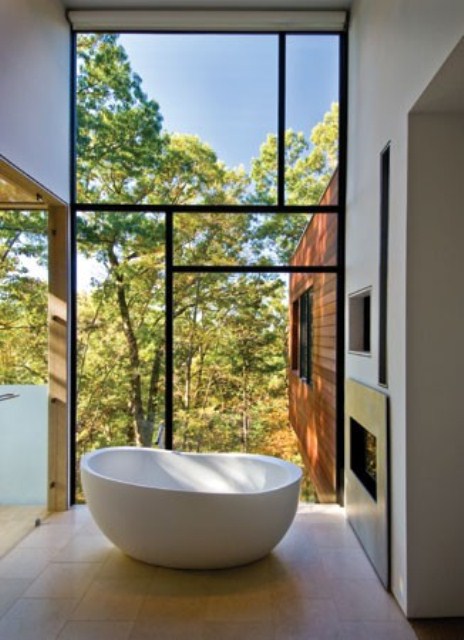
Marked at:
<point>435,357</point>
<point>34,86</point>
<point>396,47</point>
<point>24,445</point>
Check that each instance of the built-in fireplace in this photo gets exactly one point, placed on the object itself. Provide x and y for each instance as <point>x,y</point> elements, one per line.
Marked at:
<point>363,445</point>
<point>366,472</point>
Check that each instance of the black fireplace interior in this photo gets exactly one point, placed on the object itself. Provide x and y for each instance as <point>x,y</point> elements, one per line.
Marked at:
<point>364,456</point>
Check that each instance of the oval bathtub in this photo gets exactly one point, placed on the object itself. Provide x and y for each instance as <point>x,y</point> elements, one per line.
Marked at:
<point>190,510</point>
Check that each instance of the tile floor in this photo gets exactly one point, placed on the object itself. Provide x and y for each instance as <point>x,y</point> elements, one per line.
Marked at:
<point>65,581</point>
<point>15,522</point>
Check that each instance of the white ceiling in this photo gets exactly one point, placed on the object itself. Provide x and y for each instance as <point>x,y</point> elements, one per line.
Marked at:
<point>208,4</point>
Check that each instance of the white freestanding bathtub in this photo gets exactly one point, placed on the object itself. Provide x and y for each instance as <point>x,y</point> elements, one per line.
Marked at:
<point>190,510</point>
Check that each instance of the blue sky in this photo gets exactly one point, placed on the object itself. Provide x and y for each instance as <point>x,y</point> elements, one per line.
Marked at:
<point>223,88</point>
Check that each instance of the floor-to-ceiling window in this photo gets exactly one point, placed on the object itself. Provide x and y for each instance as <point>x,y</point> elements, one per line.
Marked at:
<point>200,161</point>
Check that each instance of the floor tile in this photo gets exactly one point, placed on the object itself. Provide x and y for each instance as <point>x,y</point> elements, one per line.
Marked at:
<point>23,562</point>
<point>175,583</point>
<point>308,619</point>
<point>52,536</point>
<point>35,618</point>
<point>10,590</point>
<point>347,564</point>
<point>307,580</point>
<point>77,516</point>
<point>259,630</point>
<point>170,609</point>
<point>112,599</point>
<point>246,607</point>
<point>118,565</point>
<point>175,629</point>
<point>63,580</point>
<point>333,535</point>
<point>324,513</point>
<point>378,631</point>
<point>364,601</point>
<point>96,630</point>
<point>67,581</point>
<point>90,527</point>
<point>84,548</point>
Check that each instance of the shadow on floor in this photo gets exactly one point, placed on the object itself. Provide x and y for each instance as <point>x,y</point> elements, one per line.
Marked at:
<point>439,629</point>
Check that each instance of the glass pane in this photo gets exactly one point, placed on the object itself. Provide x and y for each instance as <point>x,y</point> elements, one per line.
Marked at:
<point>312,126</point>
<point>244,239</point>
<point>174,118</point>
<point>230,363</point>
<point>23,364</point>
<point>121,316</point>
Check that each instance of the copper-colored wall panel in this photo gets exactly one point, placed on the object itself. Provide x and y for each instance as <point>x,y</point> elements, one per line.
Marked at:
<point>312,406</point>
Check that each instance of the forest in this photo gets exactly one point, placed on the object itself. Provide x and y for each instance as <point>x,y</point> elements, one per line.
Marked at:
<point>230,330</point>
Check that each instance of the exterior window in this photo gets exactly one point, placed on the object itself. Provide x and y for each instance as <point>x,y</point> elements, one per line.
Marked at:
<point>181,240</point>
<point>306,335</point>
<point>295,332</point>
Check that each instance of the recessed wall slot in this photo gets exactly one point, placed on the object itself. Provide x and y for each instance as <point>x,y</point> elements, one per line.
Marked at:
<point>360,322</point>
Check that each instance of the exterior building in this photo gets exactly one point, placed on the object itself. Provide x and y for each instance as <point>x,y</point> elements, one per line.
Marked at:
<point>312,375</point>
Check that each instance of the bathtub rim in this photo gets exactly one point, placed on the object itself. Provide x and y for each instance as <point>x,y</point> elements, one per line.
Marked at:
<point>295,472</point>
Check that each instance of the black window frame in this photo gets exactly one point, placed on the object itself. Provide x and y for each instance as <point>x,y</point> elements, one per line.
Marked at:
<point>171,268</point>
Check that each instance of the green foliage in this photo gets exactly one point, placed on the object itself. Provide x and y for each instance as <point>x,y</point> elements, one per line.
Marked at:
<point>230,331</point>
<point>118,126</point>
<point>189,172</point>
<point>309,164</point>
<point>121,326</point>
<point>230,354</point>
<point>23,298</point>
<point>230,360</point>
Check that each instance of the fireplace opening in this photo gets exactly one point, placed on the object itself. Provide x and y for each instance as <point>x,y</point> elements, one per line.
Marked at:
<point>364,456</point>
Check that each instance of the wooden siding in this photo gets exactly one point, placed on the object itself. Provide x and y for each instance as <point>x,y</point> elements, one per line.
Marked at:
<point>313,406</point>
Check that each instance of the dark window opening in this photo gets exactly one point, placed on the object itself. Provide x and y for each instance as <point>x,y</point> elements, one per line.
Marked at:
<point>294,349</point>
<point>306,335</point>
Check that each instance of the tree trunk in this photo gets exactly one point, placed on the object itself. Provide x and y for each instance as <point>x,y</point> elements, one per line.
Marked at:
<point>134,358</point>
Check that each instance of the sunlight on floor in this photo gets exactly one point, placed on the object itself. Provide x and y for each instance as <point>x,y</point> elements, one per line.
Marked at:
<point>15,522</point>
<point>66,581</point>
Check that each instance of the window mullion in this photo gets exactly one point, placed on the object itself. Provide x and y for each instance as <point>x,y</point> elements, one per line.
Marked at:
<point>169,331</point>
<point>281,122</point>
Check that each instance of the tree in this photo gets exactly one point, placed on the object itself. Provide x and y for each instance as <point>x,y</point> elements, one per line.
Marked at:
<point>188,172</point>
<point>129,305</point>
<point>124,156</point>
<point>230,331</point>
<point>230,361</point>
<point>118,126</point>
<point>309,164</point>
<point>23,298</point>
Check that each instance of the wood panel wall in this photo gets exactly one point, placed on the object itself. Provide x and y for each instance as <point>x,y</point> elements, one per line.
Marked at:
<point>313,406</point>
<point>58,430</point>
